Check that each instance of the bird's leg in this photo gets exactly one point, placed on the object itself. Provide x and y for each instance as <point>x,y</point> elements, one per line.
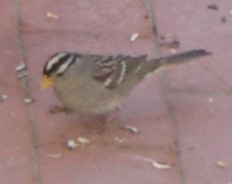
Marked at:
<point>94,124</point>
<point>57,109</point>
<point>99,123</point>
<point>110,118</point>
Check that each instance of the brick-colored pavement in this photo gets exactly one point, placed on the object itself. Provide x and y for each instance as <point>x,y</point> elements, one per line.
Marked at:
<point>183,115</point>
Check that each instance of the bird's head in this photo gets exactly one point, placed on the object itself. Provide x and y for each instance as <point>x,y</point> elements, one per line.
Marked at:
<point>55,67</point>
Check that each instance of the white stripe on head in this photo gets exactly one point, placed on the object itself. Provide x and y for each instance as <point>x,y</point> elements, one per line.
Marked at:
<point>54,60</point>
<point>65,65</point>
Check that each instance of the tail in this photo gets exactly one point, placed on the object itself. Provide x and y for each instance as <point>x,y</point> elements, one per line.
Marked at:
<point>182,57</point>
<point>176,59</point>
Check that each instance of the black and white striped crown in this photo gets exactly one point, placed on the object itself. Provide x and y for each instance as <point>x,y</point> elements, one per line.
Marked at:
<point>58,63</point>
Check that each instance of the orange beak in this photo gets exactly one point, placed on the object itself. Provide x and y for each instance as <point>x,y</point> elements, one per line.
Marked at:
<point>46,82</point>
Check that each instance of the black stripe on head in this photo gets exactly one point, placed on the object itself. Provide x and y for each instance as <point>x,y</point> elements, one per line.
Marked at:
<point>57,61</point>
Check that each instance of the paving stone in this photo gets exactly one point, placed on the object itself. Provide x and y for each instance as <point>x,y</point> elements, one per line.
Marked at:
<point>183,115</point>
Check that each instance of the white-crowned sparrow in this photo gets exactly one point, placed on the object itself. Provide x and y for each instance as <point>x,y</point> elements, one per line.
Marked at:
<point>95,84</point>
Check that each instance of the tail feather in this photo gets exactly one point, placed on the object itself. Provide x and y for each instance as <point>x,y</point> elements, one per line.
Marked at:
<point>182,57</point>
<point>176,59</point>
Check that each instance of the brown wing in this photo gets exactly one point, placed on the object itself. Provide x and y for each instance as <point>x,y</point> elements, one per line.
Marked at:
<point>111,70</point>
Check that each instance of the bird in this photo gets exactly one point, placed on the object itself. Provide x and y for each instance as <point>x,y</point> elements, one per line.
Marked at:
<point>92,84</point>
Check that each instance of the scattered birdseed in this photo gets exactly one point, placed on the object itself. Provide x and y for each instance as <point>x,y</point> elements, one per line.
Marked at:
<point>20,67</point>
<point>52,15</point>
<point>157,165</point>
<point>28,100</point>
<point>132,129</point>
<point>153,162</point>
<point>221,164</point>
<point>21,71</point>
<point>212,7</point>
<point>21,74</point>
<point>3,97</point>
<point>56,155</point>
<point>120,140</point>
<point>83,140</point>
<point>134,36</point>
<point>72,144</point>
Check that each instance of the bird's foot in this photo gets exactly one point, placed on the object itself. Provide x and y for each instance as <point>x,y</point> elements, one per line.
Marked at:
<point>57,109</point>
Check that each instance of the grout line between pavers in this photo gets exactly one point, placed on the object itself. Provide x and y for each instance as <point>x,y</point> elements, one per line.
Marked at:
<point>171,112</point>
<point>165,93</point>
<point>151,15</point>
<point>25,84</point>
<point>197,93</point>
